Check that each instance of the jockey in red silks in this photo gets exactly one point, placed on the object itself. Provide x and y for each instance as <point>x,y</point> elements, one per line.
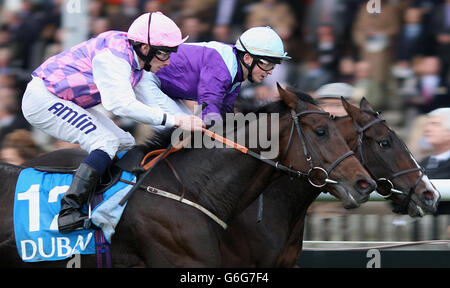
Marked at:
<point>115,69</point>
<point>213,72</point>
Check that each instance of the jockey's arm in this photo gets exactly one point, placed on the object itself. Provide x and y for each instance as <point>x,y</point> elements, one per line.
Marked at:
<point>112,77</point>
<point>148,91</point>
<point>212,88</point>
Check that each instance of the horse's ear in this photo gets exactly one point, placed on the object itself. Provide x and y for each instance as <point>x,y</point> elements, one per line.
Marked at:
<point>350,108</point>
<point>288,97</point>
<point>364,104</point>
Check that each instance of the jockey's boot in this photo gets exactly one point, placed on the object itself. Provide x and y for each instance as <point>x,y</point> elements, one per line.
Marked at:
<point>70,217</point>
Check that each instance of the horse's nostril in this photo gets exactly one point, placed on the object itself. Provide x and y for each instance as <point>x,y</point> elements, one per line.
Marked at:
<point>427,195</point>
<point>363,184</point>
<point>428,198</point>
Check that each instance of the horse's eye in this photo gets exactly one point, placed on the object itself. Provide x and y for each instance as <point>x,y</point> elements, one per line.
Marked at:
<point>384,144</point>
<point>320,132</point>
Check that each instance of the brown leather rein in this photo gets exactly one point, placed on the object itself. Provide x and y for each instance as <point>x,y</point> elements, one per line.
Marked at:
<point>161,154</point>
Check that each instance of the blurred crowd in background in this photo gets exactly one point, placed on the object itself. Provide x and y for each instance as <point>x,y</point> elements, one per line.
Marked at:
<point>398,59</point>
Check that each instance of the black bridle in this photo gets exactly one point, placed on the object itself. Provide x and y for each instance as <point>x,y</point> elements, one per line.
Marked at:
<point>387,181</point>
<point>314,171</point>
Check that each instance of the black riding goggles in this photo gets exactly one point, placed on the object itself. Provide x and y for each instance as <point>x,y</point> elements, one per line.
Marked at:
<point>163,53</point>
<point>265,65</point>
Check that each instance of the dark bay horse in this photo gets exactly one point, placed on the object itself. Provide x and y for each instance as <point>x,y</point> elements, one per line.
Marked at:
<point>388,160</point>
<point>276,241</point>
<point>155,231</point>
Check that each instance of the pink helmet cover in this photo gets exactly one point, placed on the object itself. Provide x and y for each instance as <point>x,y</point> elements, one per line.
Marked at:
<point>163,31</point>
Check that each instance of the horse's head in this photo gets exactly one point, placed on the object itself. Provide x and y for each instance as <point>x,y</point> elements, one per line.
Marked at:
<point>310,141</point>
<point>386,157</point>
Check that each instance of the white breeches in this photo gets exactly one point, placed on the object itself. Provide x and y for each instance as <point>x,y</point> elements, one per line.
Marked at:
<point>69,122</point>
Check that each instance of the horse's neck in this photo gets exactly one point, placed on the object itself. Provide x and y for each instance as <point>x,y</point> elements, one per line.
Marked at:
<point>287,203</point>
<point>289,199</point>
<point>263,177</point>
<point>224,179</point>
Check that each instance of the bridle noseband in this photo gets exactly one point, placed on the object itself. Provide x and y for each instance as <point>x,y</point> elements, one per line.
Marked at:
<point>387,181</point>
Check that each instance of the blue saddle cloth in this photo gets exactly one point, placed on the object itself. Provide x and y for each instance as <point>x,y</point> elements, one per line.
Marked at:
<point>36,208</point>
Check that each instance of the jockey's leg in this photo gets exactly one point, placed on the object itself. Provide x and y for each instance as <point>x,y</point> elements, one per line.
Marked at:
<point>84,181</point>
<point>126,140</point>
<point>69,122</point>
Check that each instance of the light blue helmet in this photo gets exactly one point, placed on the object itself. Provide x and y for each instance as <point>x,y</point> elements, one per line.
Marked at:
<point>262,41</point>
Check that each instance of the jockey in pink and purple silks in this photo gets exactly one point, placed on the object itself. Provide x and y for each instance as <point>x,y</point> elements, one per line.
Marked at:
<point>115,69</point>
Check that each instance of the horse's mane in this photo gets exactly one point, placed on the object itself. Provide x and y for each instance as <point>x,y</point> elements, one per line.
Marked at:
<point>280,107</point>
<point>302,95</point>
<point>159,140</point>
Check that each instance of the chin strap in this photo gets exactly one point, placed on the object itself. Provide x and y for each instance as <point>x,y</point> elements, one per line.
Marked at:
<point>146,58</point>
<point>249,67</point>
